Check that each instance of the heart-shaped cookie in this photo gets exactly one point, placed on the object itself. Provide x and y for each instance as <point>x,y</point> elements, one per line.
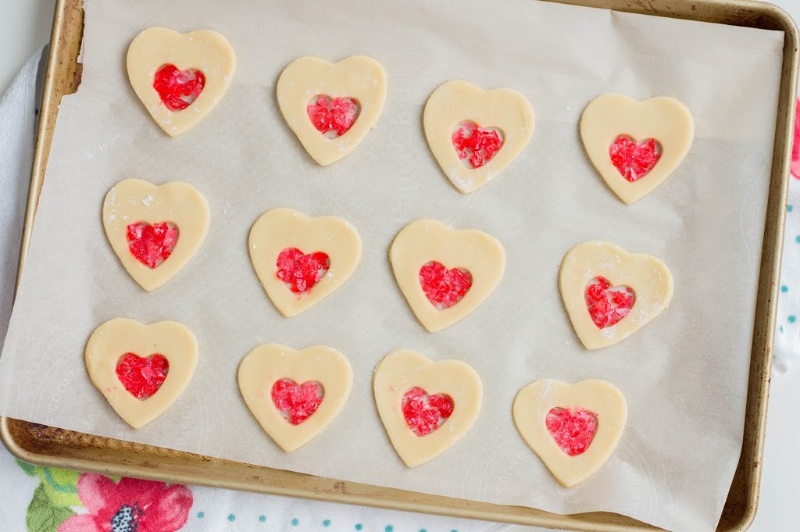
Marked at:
<point>332,106</point>
<point>636,145</point>
<point>141,369</point>
<point>294,395</point>
<point>301,260</point>
<point>573,428</point>
<point>609,293</point>
<point>445,273</point>
<point>425,406</point>
<point>154,230</point>
<point>179,77</point>
<point>475,134</point>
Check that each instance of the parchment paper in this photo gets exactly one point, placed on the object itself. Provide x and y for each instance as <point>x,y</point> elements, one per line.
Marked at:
<point>684,376</point>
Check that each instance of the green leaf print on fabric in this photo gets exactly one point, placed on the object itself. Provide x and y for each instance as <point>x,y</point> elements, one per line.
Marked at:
<point>29,469</point>
<point>59,485</point>
<point>43,516</point>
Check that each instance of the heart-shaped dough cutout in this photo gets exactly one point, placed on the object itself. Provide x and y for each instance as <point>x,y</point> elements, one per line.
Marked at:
<point>357,79</point>
<point>445,273</point>
<point>475,134</point>
<point>301,260</point>
<point>270,373</point>
<point>573,428</point>
<point>610,294</point>
<point>180,77</point>
<point>154,230</point>
<point>124,357</point>
<point>409,388</point>
<point>636,145</point>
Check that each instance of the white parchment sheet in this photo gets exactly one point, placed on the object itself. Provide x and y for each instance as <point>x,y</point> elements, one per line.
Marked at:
<point>684,375</point>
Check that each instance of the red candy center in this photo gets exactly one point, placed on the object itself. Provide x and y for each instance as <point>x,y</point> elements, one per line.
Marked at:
<point>333,117</point>
<point>297,402</point>
<point>178,89</point>
<point>425,413</point>
<point>444,288</point>
<point>573,430</point>
<point>634,160</point>
<point>152,244</point>
<point>476,145</point>
<point>142,376</point>
<point>608,304</point>
<point>301,272</point>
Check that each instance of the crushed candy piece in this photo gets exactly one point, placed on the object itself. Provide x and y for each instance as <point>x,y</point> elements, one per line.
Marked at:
<point>634,160</point>
<point>572,430</point>
<point>425,413</point>
<point>476,145</point>
<point>444,288</point>
<point>297,402</point>
<point>152,244</point>
<point>178,89</point>
<point>142,376</point>
<point>608,305</point>
<point>333,117</point>
<point>301,272</point>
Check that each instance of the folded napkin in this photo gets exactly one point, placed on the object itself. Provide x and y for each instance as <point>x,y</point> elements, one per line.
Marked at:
<point>17,135</point>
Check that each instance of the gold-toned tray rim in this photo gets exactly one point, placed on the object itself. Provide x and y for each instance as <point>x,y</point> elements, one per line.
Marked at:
<point>125,459</point>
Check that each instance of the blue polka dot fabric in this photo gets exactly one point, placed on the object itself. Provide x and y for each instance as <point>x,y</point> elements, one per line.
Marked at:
<point>787,328</point>
<point>216,510</point>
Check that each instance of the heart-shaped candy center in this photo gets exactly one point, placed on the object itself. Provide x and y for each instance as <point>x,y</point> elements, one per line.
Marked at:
<point>300,271</point>
<point>178,89</point>
<point>142,376</point>
<point>297,402</point>
<point>152,244</point>
<point>634,160</point>
<point>333,117</point>
<point>572,430</point>
<point>608,304</point>
<point>476,145</point>
<point>444,288</point>
<point>425,413</point>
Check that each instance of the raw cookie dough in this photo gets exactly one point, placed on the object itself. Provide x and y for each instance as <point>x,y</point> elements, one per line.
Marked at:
<point>595,398</point>
<point>404,370</point>
<point>285,230</point>
<point>429,243</point>
<point>141,218</point>
<point>503,110</point>
<point>358,78</point>
<point>204,51</point>
<point>267,364</point>
<point>665,120</point>
<point>118,337</point>
<point>646,276</point>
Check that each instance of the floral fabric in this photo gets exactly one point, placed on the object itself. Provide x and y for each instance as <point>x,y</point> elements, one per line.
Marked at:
<point>67,501</point>
<point>43,499</point>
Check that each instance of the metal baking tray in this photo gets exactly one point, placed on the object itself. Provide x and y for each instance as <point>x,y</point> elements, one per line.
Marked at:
<point>59,448</point>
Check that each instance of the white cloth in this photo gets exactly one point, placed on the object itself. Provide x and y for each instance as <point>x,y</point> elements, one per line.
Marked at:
<point>17,137</point>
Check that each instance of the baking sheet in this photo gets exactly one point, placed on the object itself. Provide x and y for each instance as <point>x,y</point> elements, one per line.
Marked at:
<point>708,217</point>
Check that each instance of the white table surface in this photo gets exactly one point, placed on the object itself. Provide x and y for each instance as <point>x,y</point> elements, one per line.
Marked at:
<point>25,26</point>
